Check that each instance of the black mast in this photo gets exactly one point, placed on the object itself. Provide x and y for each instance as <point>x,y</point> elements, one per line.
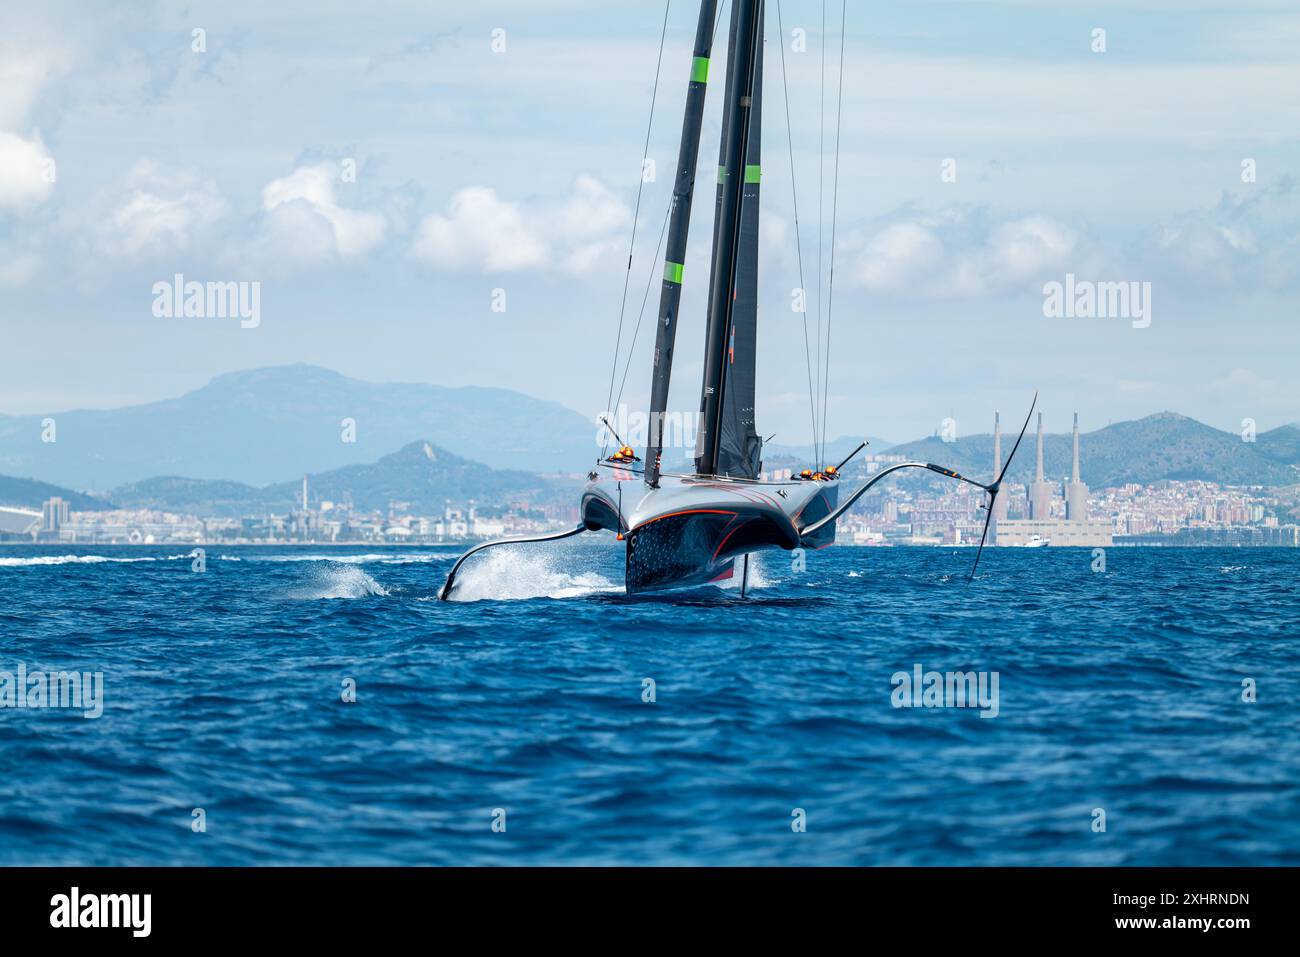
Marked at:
<point>740,447</point>
<point>678,226</point>
<point>746,38</point>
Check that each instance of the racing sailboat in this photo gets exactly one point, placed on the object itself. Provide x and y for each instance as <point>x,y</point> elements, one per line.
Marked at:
<point>691,528</point>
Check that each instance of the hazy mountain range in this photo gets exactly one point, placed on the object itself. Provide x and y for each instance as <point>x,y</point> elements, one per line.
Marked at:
<point>421,475</point>
<point>268,425</point>
<point>241,444</point>
<point>29,493</point>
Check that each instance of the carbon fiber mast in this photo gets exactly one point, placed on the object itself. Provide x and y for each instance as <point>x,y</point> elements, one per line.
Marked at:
<point>747,40</point>
<point>740,446</point>
<point>678,228</point>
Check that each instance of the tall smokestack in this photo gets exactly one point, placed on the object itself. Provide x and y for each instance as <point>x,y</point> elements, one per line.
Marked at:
<point>997,445</point>
<point>1000,501</point>
<point>1040,493</point>
<point>1040,447</point>
<point>1074,474</point>
<point>1076,493</point>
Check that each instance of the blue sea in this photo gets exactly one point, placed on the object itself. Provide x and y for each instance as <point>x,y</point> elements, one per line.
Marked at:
<point>772,736</point>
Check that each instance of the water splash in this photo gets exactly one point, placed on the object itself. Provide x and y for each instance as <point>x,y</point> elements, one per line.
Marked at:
<point>339,581</point>
<point>758,577</point>
<point>514,574</point>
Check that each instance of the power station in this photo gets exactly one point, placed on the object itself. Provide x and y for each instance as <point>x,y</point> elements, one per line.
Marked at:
<point>1040,528</point>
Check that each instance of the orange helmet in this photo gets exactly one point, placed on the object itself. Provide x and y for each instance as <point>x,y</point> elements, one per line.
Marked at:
<point>626,452</point>
<point>831,471</point>
<point>806,473</point>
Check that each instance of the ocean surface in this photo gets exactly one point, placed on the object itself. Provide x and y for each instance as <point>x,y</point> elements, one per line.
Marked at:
<point>772,736</point>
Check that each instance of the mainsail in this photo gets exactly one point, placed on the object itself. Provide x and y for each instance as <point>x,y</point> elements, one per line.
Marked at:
<point>726,441</point>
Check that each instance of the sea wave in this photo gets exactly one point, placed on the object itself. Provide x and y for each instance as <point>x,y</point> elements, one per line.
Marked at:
<point>11,562</point>
<point>419,558</point>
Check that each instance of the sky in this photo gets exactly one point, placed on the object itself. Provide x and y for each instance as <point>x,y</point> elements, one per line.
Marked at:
<point>445,192</point>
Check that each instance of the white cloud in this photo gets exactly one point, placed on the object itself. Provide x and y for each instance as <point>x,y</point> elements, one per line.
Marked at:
<point>1249,241</point>
<point>483,231</point>
<point>164,211</point>
<point>24,171</point>
<point>1014,255</point>
<point>480,231</point>
<point>898,256</point>
<point>955,255</point>
<point>25,162</point>
<point>591,224</point>
<point>310,191</point>
<point>22,73</point>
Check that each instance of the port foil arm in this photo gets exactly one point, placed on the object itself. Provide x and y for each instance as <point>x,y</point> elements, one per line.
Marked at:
<point>555,537</point>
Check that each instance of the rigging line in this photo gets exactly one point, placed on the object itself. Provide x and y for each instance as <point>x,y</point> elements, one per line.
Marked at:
<point>640,188</point>
<point>636,331</point>
<point>835,199</point>
<point>821,216</point>
<point>798,239</point>
<point>663,231</point>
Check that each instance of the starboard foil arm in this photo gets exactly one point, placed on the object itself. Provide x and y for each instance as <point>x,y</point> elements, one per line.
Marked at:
<point>555,537</point>
<point>992,488</point>
<point>809,530</point>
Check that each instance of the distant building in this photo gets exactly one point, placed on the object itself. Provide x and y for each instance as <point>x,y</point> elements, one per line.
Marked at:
<point>1055,532</point>
<point>18,524</point>
<point>1040,528</point>
<point>54,514</point>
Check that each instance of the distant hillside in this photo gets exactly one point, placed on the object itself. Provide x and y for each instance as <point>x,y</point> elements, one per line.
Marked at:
<point>267,425</point>
<point>1281,444</point>
<point>1161,446</point>
<point>419,474</point>
<point>28,493</point>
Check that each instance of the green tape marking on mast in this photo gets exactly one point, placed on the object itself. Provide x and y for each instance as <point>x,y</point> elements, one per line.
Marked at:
<point>700,70</point>
<point>673,272</point>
